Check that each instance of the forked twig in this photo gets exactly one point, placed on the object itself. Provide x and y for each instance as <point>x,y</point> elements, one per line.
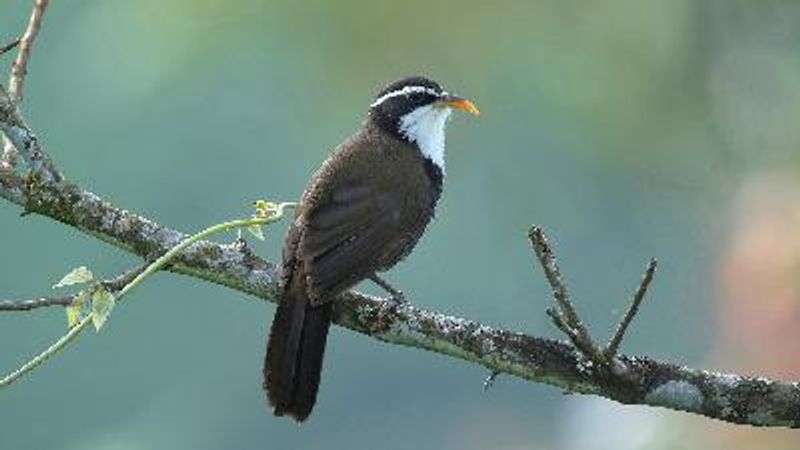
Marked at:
<point>565,317</point>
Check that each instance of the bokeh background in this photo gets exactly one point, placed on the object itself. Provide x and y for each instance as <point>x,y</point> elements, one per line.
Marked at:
<point>627,129</point>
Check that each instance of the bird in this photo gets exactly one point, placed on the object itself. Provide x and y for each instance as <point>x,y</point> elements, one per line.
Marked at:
<point>363,211</point>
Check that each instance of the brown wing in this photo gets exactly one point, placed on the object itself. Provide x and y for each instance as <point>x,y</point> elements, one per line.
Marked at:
<point>347,234</point>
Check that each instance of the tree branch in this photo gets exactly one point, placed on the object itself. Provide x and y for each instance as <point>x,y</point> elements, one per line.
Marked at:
<point>633,380</point>
<point>733,398</point>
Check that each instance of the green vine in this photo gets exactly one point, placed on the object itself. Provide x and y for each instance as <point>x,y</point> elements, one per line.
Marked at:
<point>266,213</point>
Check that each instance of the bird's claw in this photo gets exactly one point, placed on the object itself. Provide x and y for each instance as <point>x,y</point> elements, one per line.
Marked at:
<point>397,299</point>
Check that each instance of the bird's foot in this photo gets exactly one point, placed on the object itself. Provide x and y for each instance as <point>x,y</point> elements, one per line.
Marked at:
<point>397,299</point>
<point>396,296</point>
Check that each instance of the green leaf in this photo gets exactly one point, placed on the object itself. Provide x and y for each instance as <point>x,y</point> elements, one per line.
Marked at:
<point>78,275</point>
<point>73,315</point>
<point>265,209</point>
<point>75,309</point>
<point>102,304</point>
<point>256,231</point>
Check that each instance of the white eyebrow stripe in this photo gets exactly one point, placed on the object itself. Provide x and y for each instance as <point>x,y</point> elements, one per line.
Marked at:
<point>408,90</point>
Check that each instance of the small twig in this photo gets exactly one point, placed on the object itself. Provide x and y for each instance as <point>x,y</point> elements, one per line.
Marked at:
<point>19,69</point>
<point>116,284</point>
<point>613,345</point>
<point>27,305</point>
<point>112,285</point>
<point>551,271</point>
<point>566,318</point>
<point>10,46</point>
<point>558,321</point>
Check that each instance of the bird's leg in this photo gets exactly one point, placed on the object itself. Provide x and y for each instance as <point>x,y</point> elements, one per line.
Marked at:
<point>396,295</point>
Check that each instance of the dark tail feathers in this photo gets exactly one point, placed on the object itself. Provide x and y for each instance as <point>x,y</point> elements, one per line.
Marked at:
<point>293,363</point>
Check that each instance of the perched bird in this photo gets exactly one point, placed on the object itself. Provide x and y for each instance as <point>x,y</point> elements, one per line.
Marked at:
<point>362,212</point>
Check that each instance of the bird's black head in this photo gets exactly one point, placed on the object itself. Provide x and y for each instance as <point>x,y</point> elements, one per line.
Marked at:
<point>402,97</point>
<point>416,110</point>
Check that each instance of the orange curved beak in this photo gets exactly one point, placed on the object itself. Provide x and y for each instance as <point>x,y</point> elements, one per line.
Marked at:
<point>461,104</point>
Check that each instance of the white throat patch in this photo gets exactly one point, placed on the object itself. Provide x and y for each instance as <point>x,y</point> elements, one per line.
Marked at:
<point>425,126</point>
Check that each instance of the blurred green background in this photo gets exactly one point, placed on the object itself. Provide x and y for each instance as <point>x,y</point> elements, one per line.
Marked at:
<point>627,129</point>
